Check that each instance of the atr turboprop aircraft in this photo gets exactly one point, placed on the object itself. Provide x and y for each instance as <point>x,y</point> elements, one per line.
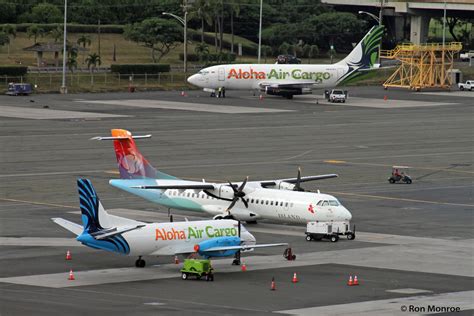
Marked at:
<point>290,80</point>
<point>281,200</point>
<point>208,238</point>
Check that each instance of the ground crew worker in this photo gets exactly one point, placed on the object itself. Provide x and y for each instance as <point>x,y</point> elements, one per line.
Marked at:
<point>219,92</point>
<point>223,92</point>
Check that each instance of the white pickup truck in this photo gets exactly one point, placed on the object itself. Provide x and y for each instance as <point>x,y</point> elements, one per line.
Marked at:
<point>465,56</point>
<point>336,95</point>
<point>469,85</point>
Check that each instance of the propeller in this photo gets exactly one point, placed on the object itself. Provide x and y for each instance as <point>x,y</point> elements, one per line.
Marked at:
<point>238,194</point>
<point>297,186</point>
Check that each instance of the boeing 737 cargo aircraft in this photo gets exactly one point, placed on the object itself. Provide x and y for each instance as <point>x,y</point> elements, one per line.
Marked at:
<point>289,80</point>
<point>280,200</point>
<point>101,230</point>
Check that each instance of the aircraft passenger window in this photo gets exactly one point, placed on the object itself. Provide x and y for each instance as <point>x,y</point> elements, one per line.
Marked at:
<point>271,203</point>
<point>286,204</point>
<point>281,203</point>
<point>266,202</point>
<point>333,203</point>
<point>325,203</point>
<point>251,201</point>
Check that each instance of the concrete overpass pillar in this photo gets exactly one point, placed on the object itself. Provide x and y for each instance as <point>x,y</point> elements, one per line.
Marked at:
<point>419,28</point>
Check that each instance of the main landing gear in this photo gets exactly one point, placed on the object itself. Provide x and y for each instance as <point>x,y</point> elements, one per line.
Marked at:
<point>140,263</point>
<point>236,261</point>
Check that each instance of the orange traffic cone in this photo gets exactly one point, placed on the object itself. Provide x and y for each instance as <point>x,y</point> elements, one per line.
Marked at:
<point>273,286</point>
<point>176,260</point>
<point>295,278</point>
<point>356,282</point>
<point>68,255</point>
<point>260,97</point>
<point>350,282</point>
<point>71,275</point>
<point>244,267</point>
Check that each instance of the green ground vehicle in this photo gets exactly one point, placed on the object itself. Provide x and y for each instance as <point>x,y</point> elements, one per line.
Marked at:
<point>197,267</point>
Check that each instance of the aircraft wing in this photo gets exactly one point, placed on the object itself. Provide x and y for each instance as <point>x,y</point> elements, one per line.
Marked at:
<point>288,84</point>
<point>245,247</point>
<point>303,179</point>
<point>184,186</point>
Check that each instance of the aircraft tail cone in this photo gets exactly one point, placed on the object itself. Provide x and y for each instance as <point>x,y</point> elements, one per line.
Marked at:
<point>176,260</point>
<point>71,276</point>
<point>273,286</point>
<point>350,282</point>
<point>295,278</point>
<point>244,267</point>
<point>356,281</point>
<point>68,255</point>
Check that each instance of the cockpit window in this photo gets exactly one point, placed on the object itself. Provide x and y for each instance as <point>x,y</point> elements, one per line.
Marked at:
<point>203,72</point>
<point>325,203</point>
<point>333,203</point>
<point>320,202</point>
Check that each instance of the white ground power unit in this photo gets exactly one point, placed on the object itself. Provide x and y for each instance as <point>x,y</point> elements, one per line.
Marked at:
<point>329,230</point>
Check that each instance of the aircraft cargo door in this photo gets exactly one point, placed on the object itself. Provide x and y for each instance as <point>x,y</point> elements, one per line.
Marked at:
<point>221,73</point>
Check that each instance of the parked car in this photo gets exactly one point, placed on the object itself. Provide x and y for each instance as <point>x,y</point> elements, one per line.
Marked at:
<point>466,55</point>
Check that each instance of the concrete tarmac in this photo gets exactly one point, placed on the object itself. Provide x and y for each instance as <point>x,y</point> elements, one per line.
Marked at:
<point>413,244</point>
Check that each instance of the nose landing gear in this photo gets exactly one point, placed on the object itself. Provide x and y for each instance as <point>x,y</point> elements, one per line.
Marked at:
<point>140,263</point>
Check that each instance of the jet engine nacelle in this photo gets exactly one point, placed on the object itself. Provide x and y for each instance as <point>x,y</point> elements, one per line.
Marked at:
<point>239,215</point>
<point>282,185</point>
<point>203,246</point>
<point>286,92</point>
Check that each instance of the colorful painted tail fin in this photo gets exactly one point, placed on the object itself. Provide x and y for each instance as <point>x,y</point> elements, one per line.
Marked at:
<point>94,217</point>
<point>131,163</point>
<point>365,54</point>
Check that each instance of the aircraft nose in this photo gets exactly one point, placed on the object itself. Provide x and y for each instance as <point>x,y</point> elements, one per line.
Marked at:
<point>194,79</point>
<point>347,214</point>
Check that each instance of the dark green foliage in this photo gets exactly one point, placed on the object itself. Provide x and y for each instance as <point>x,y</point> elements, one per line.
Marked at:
<point>42,13</point>
<point>212,57</point>
<point>14,71</point>
<point>74,28</point>
<point>140,68</point>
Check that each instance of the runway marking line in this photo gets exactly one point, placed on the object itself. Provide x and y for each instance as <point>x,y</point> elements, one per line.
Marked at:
<point>335,161</point>
<point>38,203</point>
<point>380,197</point>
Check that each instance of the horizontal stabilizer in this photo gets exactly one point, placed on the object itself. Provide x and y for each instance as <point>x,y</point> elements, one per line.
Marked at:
<point>115,231</point>
<point>303,179</point>
<point>120,137</point>
<point>72,227</point>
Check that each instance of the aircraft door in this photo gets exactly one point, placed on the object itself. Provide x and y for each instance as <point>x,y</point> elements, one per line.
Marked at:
<point>221,74</point>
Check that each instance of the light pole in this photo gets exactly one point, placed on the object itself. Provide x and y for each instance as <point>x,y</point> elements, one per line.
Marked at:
<point>260,32</point>
<point>63,88</point>
<point>444,24</point>
<point>184,22</point>
<point>379,21</point>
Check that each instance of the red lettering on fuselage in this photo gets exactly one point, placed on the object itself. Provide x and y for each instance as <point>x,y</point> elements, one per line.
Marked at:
<point>172,234</point>
<point>241,74</point>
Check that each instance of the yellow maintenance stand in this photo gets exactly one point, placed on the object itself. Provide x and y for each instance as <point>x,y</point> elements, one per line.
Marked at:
<point>422,66</point>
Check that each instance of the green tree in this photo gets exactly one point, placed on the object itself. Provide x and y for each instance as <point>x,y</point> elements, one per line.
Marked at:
<point>7,12</point>
<point>310,51</point>
<point>200,9</point>
<point>57,33</point>
<point>93,60</point>
<point>284,48</point>
<point>71,63</point>
<point>266,50</point>
<point>4,39</point>
<point>10,31</point>
<point>84,40</point>
<point>45,13</point>
<point>202,50</point>
<point>157,34</point>
<point>34,31</point>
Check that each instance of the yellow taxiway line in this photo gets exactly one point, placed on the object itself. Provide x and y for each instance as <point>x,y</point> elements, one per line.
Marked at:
<point>39,203</point>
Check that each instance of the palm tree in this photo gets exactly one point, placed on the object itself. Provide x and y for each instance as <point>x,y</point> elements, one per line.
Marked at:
<point>10,31</point>
<point>84,40</point>
<point>313,52</point>
<point>202,50</point>
<point>234,9</point>
<point>93,60</point>
<point>201,10</point>
<point>72,63</point>
<point>34,31</point>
